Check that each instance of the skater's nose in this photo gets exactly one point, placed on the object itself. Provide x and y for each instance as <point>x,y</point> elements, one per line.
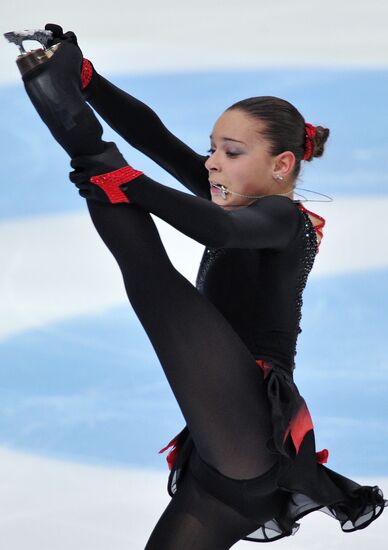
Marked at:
<point>213,163</point>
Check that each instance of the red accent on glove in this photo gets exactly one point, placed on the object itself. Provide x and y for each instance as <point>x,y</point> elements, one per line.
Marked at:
<point>86,73</point>
<point>111,181</point>
<point>322,456</point>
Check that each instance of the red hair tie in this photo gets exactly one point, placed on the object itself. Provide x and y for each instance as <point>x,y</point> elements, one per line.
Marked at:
<point>310,134</point>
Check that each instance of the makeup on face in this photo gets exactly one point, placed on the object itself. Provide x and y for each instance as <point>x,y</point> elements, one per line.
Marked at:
<point>234,151</point>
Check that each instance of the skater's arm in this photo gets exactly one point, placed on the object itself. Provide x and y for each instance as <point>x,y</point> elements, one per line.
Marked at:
<point>269,222</point>
<point>140,126</point>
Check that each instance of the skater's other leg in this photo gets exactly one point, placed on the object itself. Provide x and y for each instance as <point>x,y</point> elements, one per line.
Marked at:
<point>195,520</point>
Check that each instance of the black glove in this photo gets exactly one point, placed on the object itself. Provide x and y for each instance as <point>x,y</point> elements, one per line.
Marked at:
<point>59,36</point>
<point>88,71</point>
<point>117,173</point>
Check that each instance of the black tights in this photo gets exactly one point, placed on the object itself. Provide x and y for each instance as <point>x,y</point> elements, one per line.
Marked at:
<point>195,520</point>
<point>215,379</point>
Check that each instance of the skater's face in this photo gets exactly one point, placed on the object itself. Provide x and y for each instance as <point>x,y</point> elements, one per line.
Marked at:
<point>240,160</point>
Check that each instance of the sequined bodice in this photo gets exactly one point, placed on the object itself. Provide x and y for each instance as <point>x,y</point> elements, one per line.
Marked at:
<point>260,291</point>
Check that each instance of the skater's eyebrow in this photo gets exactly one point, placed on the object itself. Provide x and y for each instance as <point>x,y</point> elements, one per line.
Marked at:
<point>228,139</point>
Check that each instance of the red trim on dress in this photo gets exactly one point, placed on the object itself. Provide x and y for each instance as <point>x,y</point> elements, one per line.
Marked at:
<point>319,226</point>
<point>265,367</point>
<point>172,455</point>
<point>300,424</point>
<point>322,456</point>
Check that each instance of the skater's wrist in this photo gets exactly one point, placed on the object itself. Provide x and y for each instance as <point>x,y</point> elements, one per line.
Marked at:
<point>110,187</point>
<point>115,184</point>
<point>100,177</point>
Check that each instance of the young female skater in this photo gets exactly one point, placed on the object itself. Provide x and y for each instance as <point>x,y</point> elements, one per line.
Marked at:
<point>245,465</point>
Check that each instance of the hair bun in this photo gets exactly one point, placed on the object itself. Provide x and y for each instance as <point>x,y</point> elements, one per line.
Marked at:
<point>318,142</point>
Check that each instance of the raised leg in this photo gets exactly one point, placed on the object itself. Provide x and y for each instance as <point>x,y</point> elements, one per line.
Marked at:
<point>54,89</point>
<point>213,375</point>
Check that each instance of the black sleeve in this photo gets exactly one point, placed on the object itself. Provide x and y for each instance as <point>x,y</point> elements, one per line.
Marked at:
<point>142,128</point>
<point>269,222</point>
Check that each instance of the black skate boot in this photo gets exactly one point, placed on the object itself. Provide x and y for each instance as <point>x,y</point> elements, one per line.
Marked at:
<point>51,77</point>
<point>29,59</point>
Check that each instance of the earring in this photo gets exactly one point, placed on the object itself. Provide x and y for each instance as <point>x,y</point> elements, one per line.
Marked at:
<point>279,177</point>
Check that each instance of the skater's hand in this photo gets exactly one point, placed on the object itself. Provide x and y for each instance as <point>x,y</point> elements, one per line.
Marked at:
<point>87,70</point>
<point>59,35</point>
<point>88,190</point>
<point>85,167</point>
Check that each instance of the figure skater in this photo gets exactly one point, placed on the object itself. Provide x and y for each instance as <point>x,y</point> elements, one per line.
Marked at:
<point>245,465</point>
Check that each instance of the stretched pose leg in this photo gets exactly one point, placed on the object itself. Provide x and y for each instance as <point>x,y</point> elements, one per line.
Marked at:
<point>213,375</point>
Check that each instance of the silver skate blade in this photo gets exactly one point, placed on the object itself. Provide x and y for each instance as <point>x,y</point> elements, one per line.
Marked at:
<point>18,37</point>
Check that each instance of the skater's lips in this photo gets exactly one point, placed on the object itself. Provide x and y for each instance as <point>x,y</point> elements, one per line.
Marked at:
<point>214,184</point>
<point>215,187</point>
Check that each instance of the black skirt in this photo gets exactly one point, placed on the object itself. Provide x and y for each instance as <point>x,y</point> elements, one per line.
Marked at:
<point>309,485</point>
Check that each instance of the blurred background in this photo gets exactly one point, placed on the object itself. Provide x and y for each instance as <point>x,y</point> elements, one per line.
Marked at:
<point>84,404</point>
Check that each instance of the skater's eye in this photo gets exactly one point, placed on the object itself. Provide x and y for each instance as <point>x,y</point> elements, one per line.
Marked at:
<point>227,153</point>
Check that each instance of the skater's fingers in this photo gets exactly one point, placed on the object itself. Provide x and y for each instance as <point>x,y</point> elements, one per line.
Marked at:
<point>79,163</point>
<point>77,177</point>
<point>71,37</point>
<point>91,189</point>
<point>85,162</point>
<point>94,194</point>
<point>59,36</point>
<point>55,29</point>
<point>85,186</point>
<point>84,194</point>
<point>72,175</point>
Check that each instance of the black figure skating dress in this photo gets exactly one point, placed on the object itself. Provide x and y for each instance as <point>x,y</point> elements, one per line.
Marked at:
<point>268,321</point>
<point>259,292</point>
